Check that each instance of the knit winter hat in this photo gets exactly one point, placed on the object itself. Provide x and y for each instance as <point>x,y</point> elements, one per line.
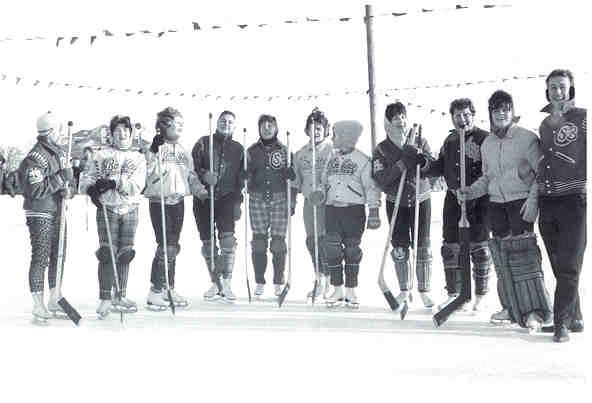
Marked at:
<point>346,133</point>
<point>46,122</point>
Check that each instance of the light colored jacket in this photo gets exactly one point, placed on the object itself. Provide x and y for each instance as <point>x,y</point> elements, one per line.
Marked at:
<point>179,178</point>
<point>347,179</point>
<point>128,170</point>
<point>303,166</point>
<point>501,158</point>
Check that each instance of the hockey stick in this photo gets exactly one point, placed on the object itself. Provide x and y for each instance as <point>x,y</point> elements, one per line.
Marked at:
<point>388,295</point>
<point>246,201</point>
<point>284,292</point>
<point>315,229</point>
<point>164,238</point>
<point>212,237</point>
<point>464,237</point>
<point>113,262</point>
<point>72,313</point>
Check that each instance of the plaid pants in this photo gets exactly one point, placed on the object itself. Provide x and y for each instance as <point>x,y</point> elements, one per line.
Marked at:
<point>123,231</point>
<point>269,216</point>
<point>44,234</point>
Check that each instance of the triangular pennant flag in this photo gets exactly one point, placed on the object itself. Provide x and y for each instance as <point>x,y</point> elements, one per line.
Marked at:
<point>127,90</point>
<point>196,26</point>
<point>49,84</point>
<point>67,85</point>
<point>92,39</point>
<point>81,86</point>
<point>107,32</point>
<point>171,30</point>
<point>216,27</point>
<point>73,39</point>
<point>425,10</point>
<point>36,83</point>
<point>489,6</point>
<point>160,34</point>
<point>262,25</point>
<point>145,31</point>
<point>59,40</point>
<point>345,19</point>
<point>18,80</point>
<point>140,92</point>
<point>111,90</point>
<point>242,26</point>
<point>232,98</point>
<point>155,93</point>
<point>99,88</point>
<point>193,95</point>
<point>129,34</point>
<point>399,14</point>
<point>245,97</point>
<point>182,94</point>
<point>167,94</point>
<point>460,7</point>
<point>3,76</point>
<point>312,19</point>
<point>290,22</point>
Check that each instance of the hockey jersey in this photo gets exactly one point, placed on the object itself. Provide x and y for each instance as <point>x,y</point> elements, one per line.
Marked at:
<point>303,166</point>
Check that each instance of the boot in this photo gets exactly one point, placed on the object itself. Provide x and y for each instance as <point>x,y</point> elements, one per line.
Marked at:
<point>479,303</point>
<point>561,334</point>
<point>451,297</point>
<point>178,300</point>
<point>259,290</point>
<point>52,304</point>
<point>320,288</point>
<point>124,305</point>
<point>104,308</point>
<point>427,299</point>
<point>227,291</point>
<point>335,299</point>
<point>156,302</point>
<point>212,293</point>
<point>501,316</point>
<point>40,313</point>
<point>328,288</point>
<point>351,300</point>
<point>277,289</point>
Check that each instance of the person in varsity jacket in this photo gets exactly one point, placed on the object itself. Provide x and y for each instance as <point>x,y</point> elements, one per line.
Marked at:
<point>561,179</point>
<point>267,174</point>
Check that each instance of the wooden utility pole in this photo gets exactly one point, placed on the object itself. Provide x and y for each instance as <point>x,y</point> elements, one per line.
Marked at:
<point>371,79</point>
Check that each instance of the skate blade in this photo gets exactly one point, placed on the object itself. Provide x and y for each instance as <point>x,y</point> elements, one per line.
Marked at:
<point>102,316</point>
<point>500,322</point>
<point>156,308</point>
<point>334,304</point>
<point>124,310</point>
<point>40,320</point>
<point>352,305</point>
<point>59,314</point>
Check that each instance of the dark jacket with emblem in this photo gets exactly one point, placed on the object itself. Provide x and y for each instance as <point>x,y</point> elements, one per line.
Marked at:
<point>387,173</point>
<point>448,162</point>
<point>41,179</point>
<point>562,170</point>
<point>228,165</point>
<point>265,164</point>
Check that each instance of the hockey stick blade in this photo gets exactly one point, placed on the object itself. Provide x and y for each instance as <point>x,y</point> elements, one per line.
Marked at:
<point>249,290</point>
<point>171,302</point>
<point>314,290</point>
<point>404,310</point>
<point>72,313</point>
<point>391,300</point>
<point>283,294</point>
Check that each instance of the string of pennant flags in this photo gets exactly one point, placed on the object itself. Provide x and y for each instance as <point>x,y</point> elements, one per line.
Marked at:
<point>388,92</point>
<point>200,26</point>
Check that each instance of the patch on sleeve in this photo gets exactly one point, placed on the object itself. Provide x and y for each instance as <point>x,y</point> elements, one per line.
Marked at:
<point>377,165</point>
<point>34,176</point>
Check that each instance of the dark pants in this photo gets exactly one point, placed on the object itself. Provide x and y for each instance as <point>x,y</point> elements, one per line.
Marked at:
<point>345,226</point>
<point>223,215</point>
<point>505,219</point>
<point>562,223</point>
<point>403,231</point>
<point>476,214</point>
<point>174,215</point>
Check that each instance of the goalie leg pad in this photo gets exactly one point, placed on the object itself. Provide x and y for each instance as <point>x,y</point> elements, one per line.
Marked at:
<point>400,256</point>
<point>481,257</point>
<point>450,258</point>
<point>501,272</point>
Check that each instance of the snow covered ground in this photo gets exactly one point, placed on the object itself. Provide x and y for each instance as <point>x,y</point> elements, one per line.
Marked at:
<point>257,351</point>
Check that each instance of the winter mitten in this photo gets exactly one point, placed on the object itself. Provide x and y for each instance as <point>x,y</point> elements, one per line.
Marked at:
<point>94,195</point>
<point>409,157</point>
<point>104,185</point>
<point>157,141</point>
<point>373,219</point>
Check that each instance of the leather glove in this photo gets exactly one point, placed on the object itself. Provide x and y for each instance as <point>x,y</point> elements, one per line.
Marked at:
<point>104,185</point>
<point>237,212</point>
<point>317,197</point>
<point>157,141</point>
<point>292,202</point>
<point>94,195</point>
<point>210,178</point>
<point>373,219</point>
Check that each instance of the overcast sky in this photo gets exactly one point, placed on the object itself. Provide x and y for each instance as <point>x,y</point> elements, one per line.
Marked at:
<point>280,59</point>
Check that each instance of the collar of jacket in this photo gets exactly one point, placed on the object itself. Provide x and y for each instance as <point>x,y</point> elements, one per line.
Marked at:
<point>271,144</point>
<point>564,109</point>
<point>48,145</point>
<point>318,147</point>
<point>221,138</point>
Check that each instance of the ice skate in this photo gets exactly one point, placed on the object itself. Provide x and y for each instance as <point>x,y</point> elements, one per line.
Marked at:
<point>212,293</point>
<point>351,300</point>
<point>227,293</point>
<point>259,290</point>
<point>479,303</point>
<point>40,313</point>
<point>335,299</point>
<point>156,302</point>
<point>124,305</point>
<point>318,292</point>
<point>501,317</point>
<point>428,302</point>
<point>534,323</point>
<point>178,300</point>
<point>52,304</point>
<point>104,308</point>
<point>277,289</point>
<point>450,298</point>
<point>403,299</point>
